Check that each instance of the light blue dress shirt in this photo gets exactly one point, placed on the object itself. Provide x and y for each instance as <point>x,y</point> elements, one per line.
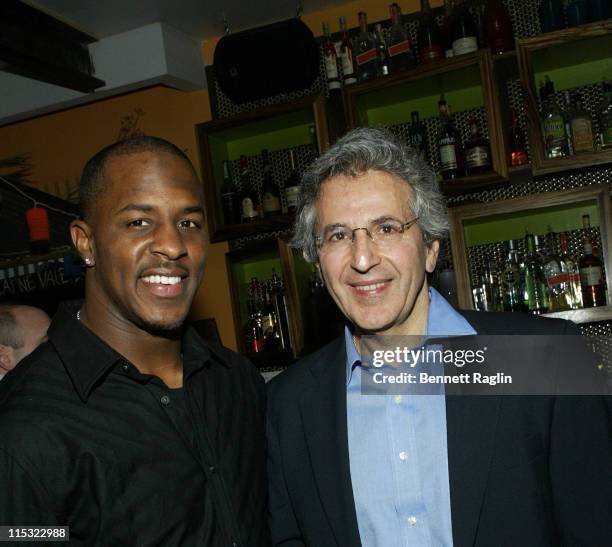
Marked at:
<point>398,452</point>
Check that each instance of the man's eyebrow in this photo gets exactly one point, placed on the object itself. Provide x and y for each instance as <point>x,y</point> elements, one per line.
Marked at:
<point>194,209</point>
<point>143,208</point>
<point>377,220</point>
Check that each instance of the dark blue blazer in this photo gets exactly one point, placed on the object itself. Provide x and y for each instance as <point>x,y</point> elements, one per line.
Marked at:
<point>523,470</point>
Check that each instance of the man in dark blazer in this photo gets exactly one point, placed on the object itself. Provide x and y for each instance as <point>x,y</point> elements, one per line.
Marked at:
<point>348,469</point>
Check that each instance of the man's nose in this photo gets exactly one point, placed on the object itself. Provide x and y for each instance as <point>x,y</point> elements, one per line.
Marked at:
<point>364,251</point>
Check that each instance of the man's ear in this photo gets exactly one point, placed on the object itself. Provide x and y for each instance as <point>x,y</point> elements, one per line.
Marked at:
<point>7,358</point>
<point>81,234</point>
<point>431,258</point>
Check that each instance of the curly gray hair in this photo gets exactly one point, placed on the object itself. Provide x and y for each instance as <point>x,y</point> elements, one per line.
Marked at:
<point>361,150</point>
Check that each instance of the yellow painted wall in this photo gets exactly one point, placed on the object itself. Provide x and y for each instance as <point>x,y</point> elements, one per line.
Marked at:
<point>61,143</point>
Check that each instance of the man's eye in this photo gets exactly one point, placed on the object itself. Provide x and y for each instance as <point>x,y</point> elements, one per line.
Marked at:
<point>388,229</point>
<point>337,236</point>
<point>138,223</point>
<point>192,224</point>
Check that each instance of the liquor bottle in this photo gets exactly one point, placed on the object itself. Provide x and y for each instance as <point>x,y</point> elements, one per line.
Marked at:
<point>556,142</point>
<point>511,280</point>
<point>399,47</point>
<point>270,196</point>
<point>366,52</point>
<point>230,201</point>
<point>498,27</point>
<point>477,151</point>
<point>518,150</point>
<point>249,202</point>
<point>381,44</point>
<point>331,60</point>
<point>417,136</point>
<point>428,35</point>
<point>254,336</point>
<point>604,114</point>
<point>449,145</point>
<point>567,110</point>
<point>314,142</point>
<point>535,283</point>
<point>486,291</point>
<point>279,302</point>
<point>447,28</point>
<point>573,271</point>
<point>583,138</point>
<point>591,272</point>
<point>292,186</point>
<point>557,278</point>
<point>346,55</point>
<point>464,30</point>
<point>270,324</point>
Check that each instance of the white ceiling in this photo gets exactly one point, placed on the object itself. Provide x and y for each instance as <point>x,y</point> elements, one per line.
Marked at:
<point>200,19</point>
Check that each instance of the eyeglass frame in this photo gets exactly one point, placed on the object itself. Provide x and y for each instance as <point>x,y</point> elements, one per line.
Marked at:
<point>404,228</point>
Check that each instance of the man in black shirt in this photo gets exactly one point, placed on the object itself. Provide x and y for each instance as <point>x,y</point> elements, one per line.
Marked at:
<point>126,427</point>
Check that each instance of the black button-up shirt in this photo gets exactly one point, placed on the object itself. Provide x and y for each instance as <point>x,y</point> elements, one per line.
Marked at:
<point>89,442</point>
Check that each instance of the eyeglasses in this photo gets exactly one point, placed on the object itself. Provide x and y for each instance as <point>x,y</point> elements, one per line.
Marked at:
<point>384,233</point>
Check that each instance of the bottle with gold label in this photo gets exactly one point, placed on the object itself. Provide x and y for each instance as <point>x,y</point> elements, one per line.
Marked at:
<point>583,137</point>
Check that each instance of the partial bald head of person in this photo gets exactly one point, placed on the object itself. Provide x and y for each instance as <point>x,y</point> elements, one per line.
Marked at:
<point>22,330</point>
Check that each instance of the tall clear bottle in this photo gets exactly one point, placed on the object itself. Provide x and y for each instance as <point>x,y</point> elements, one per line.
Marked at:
<point>583,137</point>
<point>399,46</point>
<point>536,294</point>
<point>331,59</point>
<point>366,52</point>
<point>557,277</point>
<point>554,133</point>
<point>511,280</point>
<point>417,136</point>
<point>347,59</point>
<point>573,270</point>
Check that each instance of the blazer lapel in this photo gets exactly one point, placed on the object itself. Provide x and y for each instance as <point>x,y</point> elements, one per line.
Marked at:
<point>323,408</point>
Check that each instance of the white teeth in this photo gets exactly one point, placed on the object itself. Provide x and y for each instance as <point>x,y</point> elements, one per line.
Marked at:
<point>372,287</point>
<point>162,279</point>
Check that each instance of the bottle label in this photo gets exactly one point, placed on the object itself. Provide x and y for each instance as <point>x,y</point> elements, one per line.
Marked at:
<point>331,69</point>
<point>558,279</point>
<point>477,156</point>
<point>465,45</point>
<point>448,157</point>
<point>401,47</point>
<point>429,54</point>
<point>271,203</point>
<point>606,136</point>
<point>348,68</point>
<point>553,129</point>
<point>589,276</point>
<point>292,195</point>
<point>367,56</point>
<point>248,209</point>
<point>582,135</point>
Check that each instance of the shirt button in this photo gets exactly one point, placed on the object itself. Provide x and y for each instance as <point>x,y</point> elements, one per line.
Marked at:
<point>411,520</point>
<point>212,468</point>
<point>403,456</point>
<point>398,399</point>
<point>125,367</point>
<point>165,400</point>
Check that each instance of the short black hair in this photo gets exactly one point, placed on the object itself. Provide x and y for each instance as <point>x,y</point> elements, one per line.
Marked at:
<point>92,179</point>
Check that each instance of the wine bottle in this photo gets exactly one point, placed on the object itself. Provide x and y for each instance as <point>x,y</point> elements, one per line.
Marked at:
<point>449,145</point>
<point>447,28</point>
<point>399,47</point>
<point>381,44</point>
<point>331,60</point>
<point>591,272</point>
<point>292,186</point>
<point>230,202</point>
<point>249,198</point>
<point>417,136</point>
<point>518,150</point>
<point>477,151</point>
<point>366,52</point>
<point>346,55</point>
<point>498,27</point>
<point>270,196</point>
<point>429,40</point>
<point>464,30</point>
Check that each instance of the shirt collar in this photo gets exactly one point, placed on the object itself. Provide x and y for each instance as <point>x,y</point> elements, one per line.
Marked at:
<point>442,320</point>
<point>88,358</point>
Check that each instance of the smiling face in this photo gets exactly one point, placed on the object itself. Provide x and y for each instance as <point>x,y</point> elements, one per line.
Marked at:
<point>147,241</point>
<point>379,288</point>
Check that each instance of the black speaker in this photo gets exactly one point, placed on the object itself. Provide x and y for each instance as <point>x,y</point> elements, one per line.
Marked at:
<point>265,61</point>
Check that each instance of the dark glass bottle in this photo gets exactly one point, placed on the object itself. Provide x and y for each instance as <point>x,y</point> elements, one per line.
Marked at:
<point>447,28</point>
<point>399,47</point>
<point>417,136</point>
<point>591,272</point>
<point>292,185</point>
<point>381,44</point>
<point>230,201</point>
<point>366,52</point>
<point>477,151</point>
<point>452,163</point>
<point>270,196</point>
<point>347,58</point>
<point>498,27</point>
<point>429,40</point>
<point>464,32</point>
<point>516,141</point>
<point>254,334</point>
<point>249,198</point>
